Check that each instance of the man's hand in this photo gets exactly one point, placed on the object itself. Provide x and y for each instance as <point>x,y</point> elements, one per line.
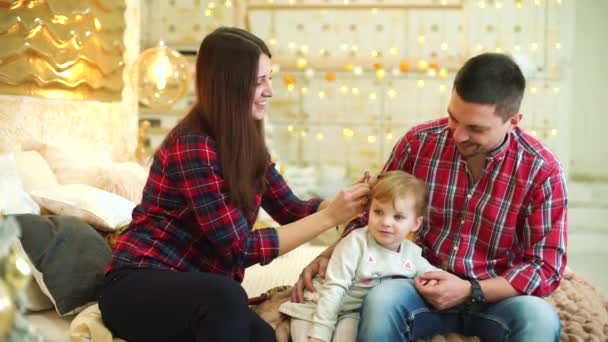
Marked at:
<point>317,266</point>
<point>442,290</point>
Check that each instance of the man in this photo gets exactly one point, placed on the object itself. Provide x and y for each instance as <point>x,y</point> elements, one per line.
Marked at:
<point>497,221</point>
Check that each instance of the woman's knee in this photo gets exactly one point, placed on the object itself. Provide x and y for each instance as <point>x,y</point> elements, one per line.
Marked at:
<point>226,293</point>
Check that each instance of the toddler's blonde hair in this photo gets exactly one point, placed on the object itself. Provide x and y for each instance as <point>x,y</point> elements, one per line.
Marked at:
<point>391,185</point>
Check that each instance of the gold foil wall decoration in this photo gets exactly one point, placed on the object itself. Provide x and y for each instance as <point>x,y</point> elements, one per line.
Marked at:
<point>66,49</point>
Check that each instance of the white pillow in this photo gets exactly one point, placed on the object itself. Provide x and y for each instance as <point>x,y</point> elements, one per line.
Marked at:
<point>103,210</point>
<point>13,198</point>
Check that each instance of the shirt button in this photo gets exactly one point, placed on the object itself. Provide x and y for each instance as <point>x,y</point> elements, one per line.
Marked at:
<point>462,222</point>
<point>469,196</point>
<point>455,248</point>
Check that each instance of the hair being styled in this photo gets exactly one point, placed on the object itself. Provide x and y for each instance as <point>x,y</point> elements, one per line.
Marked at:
<point>492,78</point>
<point>391,185</point>
<point>226,74</point>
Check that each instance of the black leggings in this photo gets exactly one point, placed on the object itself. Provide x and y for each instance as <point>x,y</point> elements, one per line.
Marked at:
<point>160,305</point>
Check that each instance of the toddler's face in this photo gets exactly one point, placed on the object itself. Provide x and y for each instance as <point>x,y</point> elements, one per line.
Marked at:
<point>390,222</point>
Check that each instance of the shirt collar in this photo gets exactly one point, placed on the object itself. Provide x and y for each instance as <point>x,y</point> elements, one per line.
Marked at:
<point>497,153</point>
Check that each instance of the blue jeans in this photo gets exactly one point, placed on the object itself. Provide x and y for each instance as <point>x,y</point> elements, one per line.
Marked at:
<point>394,311</point>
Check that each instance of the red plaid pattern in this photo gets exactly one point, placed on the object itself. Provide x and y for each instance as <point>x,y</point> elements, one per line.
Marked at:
<point>512,223</point>
<point>186,222</point>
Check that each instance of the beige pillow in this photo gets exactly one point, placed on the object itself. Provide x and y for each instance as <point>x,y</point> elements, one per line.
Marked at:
<point>103,210</point>
<point>72,161</point>
<point>34,171</point>
<point>124,179</point>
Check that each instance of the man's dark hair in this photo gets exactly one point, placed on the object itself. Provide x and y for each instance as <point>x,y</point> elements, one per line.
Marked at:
<point>492,78</point>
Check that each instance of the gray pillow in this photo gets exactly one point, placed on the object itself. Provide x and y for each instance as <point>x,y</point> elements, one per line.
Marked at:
<point>71,256</point>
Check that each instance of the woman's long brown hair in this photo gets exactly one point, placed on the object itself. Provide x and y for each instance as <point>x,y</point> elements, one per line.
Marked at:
<point>226,76</point>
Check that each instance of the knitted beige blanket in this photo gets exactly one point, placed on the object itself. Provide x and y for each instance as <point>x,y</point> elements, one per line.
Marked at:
<point>583,311</point>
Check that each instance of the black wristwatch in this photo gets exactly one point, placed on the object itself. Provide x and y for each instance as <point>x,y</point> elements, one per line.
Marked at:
<point>477,296</point>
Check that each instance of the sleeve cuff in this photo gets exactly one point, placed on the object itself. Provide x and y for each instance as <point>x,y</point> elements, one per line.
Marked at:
<point>527,280</point>
<point>269,244</point>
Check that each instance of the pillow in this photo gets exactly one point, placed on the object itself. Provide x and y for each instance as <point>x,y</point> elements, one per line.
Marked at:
<point>69,259</point>
<point>34,171</point>
<point>72,161</point>
<point>103,210</point>
<point>124,179</point>
<point>13,198</point>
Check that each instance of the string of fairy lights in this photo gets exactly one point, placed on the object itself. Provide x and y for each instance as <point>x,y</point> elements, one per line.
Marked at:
<point>366,52</point>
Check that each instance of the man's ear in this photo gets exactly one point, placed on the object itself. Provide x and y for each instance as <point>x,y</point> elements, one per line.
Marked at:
<point>514,121</point>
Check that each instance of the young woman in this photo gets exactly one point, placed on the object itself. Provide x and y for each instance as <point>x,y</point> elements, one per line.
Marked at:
<point>175,272</point>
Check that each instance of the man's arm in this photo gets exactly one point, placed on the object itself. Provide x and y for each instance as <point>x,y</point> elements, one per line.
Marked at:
<point>536,271</point>
<point>450,290</point>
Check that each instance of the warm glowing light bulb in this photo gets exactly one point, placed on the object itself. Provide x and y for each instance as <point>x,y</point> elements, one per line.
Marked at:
<point>344,89</point>
<point>291,87</point>
<point>420,84</point>
<point>423,64</point>
<point>372,96</point>
<point>392,51</point>
<point>319,136</point>
<point>421,39</point>
<point>355,91</point>
<point>371,139</point>
<point>347,132</point>
<point>392,93</point>
<point>301,63</point>
<point>444,46</point>
<point>160,75</point>
<point>321,94</point>
<point>442,88</point>
<point>290,128</point>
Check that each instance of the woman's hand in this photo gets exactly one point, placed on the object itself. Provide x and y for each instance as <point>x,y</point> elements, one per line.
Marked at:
<point>349,203</point>
<point>312,339</point>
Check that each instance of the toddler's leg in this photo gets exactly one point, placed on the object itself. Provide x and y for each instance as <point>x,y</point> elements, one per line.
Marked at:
<point>346,330</point>
<point>299,330</point>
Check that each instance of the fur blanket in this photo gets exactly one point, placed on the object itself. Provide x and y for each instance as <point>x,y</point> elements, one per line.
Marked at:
<point>583,311</point>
